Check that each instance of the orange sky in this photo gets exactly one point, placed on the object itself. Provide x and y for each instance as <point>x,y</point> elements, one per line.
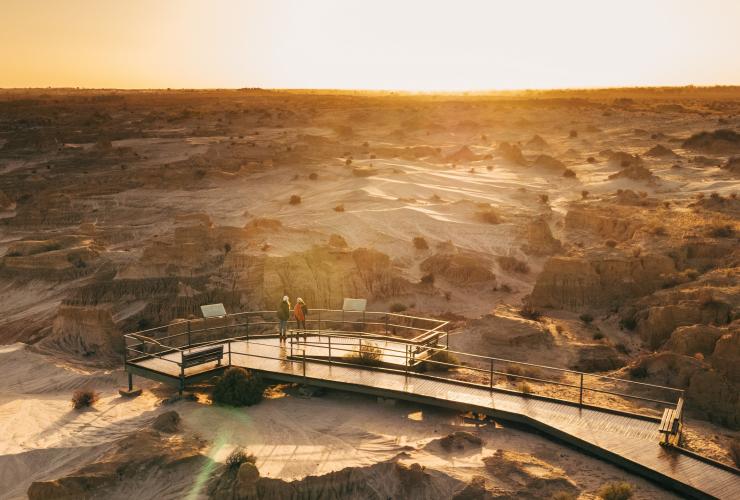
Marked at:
<point>368,44</point>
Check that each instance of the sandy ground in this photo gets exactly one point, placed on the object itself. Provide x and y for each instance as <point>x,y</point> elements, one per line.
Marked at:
<point>291,436</point>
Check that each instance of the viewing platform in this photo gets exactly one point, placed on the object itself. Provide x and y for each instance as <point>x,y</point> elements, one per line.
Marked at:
<point>634,425</point>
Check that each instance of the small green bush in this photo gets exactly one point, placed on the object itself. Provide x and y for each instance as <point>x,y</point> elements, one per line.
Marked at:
<point>441,356</point>
<point>616,491</point>
<point>295,199</point>
<point>586,318</point>
<point>238,457</point>
<point>628,323</point>
<point>238,387</point>
<point>638,372</point>
<point>529,312</point>
<point>369,354</point>
<point>397,307</point>
<point>420,243</point>
<point>598,335</point>
<point>84,398</point>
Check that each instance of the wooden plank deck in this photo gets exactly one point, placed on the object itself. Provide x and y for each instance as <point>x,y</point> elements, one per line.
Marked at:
<point>628,441</point>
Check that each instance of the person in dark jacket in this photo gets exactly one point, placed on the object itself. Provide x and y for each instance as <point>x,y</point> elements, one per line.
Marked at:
<point>283,314</point>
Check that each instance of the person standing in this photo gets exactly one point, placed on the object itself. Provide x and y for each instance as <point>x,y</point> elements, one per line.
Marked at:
<point>283,314</point>
<point>300,313</point>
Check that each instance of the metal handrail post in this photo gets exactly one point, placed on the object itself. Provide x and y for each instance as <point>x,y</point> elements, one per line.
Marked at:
<point>304,366</point>
<point>580,396</point>
<point>491,377</point>
<point>229,353</point>
<point>190,342</point>
<point>329,349</point>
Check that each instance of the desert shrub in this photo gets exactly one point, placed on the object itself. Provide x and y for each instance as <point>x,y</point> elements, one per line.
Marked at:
<point>638,372</point>
<point>295,199</point>
<point>629,323</point>
<point>339,208</point>
<point>489,216</point>
<point>143,324</point>
<point>397,307</point>
<point>544,198</point>
<point>420,243</point>
<point>313,176</point>
<point>368,354</point>
<point>528,312</point>
<point>441,356</point>
<point>573,134</point>
<point>238,387</point>
<point>199,173</point>
<point>513,264</point>
<point>505,288</point>
<point>84,398</point>
<point>14,253</point>
<point>489,167</point>
<point>616,491</point>
<point>584,194</point>
<point>51,247</point>
<point>427,279</point>
<point>569,173</point>
<point>525,388</point>
<point>586,318</point>
<point>610,243</point>
<point>348,162</point>
<point>660,231</point>
<point>721,231</point>
<point>735,451</point>
<point>591,159</point>
<point>238,457</point>
<point>598,335</point>
<point>227,247</point>
<point>622,348</point>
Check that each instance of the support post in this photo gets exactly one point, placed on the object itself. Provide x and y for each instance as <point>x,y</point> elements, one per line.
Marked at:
<point>329,349</point>
<point>491,378</point>
<point>580,396</point>
<point>304,366</point>
<point>247,326</point>
<point>448,336</point>
<point>319,321</point>
<point>189,340</point>
<point>130,382</point>
<point>406,361</point>
<point>229,353</point>
<point>386,324</point>
<point>182,378</point>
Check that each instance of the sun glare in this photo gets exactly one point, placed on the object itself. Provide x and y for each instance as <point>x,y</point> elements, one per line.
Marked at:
<point>382,44</point>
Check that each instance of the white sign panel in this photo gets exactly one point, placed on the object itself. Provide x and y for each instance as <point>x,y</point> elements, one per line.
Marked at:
<point>213,310</point>
<point>357,305</point>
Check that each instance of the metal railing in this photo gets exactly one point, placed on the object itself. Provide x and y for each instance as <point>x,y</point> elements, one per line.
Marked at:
<point>401,344</point>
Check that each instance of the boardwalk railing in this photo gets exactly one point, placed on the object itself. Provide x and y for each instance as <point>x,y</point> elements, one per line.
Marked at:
<point>398,343</point>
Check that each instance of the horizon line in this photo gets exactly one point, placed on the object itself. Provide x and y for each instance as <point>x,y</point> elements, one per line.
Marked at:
<point>383,90</point>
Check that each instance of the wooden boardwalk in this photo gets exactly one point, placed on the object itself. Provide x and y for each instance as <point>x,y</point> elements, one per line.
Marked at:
<point>629,441</point>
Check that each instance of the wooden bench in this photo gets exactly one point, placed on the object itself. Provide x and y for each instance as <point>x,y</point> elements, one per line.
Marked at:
<point>671,423</point>
<point>201,356</point>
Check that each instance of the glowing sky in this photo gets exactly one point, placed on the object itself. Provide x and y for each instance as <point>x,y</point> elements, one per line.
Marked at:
<point>368,44</point>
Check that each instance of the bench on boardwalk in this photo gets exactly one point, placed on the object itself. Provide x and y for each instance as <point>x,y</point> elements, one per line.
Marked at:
<point>671,423</point>
<point>201,356</point>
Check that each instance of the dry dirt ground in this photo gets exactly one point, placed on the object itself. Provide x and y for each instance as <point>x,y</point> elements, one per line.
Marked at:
<point>610,214</point>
